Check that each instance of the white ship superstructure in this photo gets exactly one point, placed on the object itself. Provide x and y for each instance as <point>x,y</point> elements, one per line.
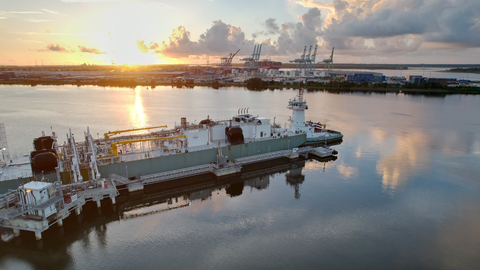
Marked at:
<point>316,132</point>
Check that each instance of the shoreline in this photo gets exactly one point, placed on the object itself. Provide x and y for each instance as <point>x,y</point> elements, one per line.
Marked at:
<point>216,85</point>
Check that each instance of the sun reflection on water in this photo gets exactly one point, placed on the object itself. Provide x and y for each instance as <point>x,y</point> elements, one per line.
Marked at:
<point>138,117</point>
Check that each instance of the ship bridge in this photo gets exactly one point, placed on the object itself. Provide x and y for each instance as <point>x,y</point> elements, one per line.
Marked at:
<point>298,106</point>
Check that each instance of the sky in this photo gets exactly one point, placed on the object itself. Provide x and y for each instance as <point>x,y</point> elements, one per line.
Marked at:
<point>65,32</point>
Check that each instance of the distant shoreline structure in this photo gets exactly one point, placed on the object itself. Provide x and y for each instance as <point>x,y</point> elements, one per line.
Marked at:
<point>315,88</point>
<point>284,65</point>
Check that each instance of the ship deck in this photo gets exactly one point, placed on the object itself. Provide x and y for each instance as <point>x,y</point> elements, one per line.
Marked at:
<point>18,168</point>
<point>140,154</point>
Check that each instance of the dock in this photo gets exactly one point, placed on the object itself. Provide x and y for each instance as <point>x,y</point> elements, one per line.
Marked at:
<point>21,210</point>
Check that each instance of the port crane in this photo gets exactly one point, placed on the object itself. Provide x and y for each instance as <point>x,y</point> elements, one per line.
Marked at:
<point>328,62</point>
<point>306,61</point>
<point>250,61</point>
<point>226,62</point>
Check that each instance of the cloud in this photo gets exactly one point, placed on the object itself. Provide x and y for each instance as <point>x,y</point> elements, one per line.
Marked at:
<point>272,26</point>
<point>29,40</point>
<point>90,50</point>
<point>219,39</point>
<point>311,3</point>
<point>91,1</point>
<point>48,32</point>
<point>222,38</point>
<point>376,29</point>
<point>50,11</point>
<point>295,36</point>
<point>36,21</point>
<point>401,26</point>
<point>141,46</point>
<point>54,48</point>
<point>24,12</point>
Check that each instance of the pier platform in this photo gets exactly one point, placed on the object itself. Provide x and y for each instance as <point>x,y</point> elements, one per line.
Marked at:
<point>18,212</point>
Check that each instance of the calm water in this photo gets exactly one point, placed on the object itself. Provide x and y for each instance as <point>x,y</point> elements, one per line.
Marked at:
<point>404,192</point>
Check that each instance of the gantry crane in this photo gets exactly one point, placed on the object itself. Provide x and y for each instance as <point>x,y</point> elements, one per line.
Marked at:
<point>328,62</point>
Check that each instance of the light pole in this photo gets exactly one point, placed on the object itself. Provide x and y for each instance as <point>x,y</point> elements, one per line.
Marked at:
<point>3,154</point>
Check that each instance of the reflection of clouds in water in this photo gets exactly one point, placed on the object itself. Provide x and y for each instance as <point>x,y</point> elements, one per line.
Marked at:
<point>476,147</point>
<point>407,156</point>
<point>457,243</point>
<point>316,166</point>
<point>358,153</point>
<point>379,135</point>
<point>346,171</point>
<point>454,142</point>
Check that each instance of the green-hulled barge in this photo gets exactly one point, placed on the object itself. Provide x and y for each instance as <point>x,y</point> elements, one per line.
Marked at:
<point>186,145</point>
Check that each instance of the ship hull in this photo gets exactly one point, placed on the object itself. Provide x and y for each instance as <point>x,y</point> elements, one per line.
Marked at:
<point>196,158</point>
<point>147,166</point>
<point>333,137</point>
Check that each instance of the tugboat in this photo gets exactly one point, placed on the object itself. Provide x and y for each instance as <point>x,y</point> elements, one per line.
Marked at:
<point>316,132</point>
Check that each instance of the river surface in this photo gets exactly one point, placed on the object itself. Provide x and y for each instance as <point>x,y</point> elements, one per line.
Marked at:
<point>404,192</point>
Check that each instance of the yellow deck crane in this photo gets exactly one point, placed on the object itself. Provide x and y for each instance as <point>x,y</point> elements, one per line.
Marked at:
<point>111,133</point>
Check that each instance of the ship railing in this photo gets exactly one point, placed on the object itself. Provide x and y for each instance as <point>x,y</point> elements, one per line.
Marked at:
<point>15,176</point>
<point>38,210</point>
<point>122,180</point>
<point>135,156</point>
<point>202,147</point>
<point>144,155</point>
<point>191,171</point>
<point>267,156</point>
<point>80,186</point>
<point>8,199</point>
